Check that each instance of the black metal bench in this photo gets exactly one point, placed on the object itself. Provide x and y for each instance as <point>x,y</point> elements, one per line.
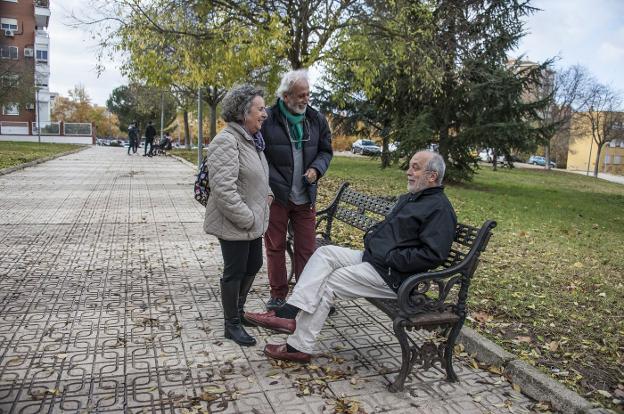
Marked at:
<point>435,301</point>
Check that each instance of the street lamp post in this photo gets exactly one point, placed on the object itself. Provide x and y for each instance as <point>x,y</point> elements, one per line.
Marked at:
<point>37,113</point>
<point>162,116</point>
<point>200,135</point>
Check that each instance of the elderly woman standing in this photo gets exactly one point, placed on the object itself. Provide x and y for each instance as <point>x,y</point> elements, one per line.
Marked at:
<point>238,207</point>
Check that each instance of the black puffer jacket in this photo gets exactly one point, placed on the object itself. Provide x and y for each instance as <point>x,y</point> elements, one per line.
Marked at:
<point>317,150</point>
<point>415,237</point>
<point>150,132</point>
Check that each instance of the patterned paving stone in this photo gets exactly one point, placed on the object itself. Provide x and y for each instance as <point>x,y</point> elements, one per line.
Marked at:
<point>109,302</point>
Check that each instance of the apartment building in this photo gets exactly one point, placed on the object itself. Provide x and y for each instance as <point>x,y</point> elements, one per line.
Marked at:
<point>24,40</point>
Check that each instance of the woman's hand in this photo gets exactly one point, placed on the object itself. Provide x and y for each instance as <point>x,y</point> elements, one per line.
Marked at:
<point>270,199</point>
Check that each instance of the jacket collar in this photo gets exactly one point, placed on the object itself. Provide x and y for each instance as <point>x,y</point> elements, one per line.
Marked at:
<point>425,192</point>
<point>240,130</point>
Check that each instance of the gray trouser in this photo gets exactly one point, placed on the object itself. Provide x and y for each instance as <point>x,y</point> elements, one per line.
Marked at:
<point>332,273</point>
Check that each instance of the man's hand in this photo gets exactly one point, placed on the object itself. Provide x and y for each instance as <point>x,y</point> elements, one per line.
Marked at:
<point>311,175</point>
<point>270,200</point>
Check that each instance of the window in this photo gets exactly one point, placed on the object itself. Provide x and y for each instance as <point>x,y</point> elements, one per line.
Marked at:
<point>8,24</point>
<point>42,55</point>
<point>10,109</point>
<point>8,52</point>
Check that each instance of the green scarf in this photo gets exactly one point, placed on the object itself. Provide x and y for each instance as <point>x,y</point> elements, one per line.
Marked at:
<point>295,123</point>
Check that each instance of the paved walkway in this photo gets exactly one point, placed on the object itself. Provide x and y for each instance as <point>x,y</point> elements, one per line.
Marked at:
<point>109,302</point>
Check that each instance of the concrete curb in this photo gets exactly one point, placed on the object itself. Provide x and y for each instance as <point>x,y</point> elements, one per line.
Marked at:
<point>530,380</point>
<point>183,161</point>
<point>32,163</point>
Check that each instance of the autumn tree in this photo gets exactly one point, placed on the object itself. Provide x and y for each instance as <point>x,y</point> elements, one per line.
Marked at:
<point>77,107</point>
<point>602,111</point>
<point>190,44</point>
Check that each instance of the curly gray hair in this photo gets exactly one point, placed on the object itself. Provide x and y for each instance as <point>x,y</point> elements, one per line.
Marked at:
<point>289,79</point>
<point>237,102</point>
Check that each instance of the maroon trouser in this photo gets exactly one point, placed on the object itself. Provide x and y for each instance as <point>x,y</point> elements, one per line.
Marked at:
<point>303,221</point>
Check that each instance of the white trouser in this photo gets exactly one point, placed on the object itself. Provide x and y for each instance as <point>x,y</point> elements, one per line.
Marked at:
<point>332,272</point>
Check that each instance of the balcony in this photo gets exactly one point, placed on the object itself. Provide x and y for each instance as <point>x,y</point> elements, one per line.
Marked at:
<point>42,12</point>
<point>42,39</point>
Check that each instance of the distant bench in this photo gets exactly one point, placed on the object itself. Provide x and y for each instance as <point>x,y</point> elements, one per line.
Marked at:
<point>435,300</point>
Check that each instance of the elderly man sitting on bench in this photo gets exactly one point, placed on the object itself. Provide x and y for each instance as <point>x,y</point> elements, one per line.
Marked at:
<point>415,237</point>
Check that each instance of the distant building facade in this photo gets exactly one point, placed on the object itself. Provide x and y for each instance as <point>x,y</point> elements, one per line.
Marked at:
<point>582,149</point>
<point>24,36</point>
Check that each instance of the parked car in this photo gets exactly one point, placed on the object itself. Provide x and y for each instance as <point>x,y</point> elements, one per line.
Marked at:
<point>365,147</point>
<point>538,160</point>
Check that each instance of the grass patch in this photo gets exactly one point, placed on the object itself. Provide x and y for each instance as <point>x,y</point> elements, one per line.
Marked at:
<point>188,154</point>
<point>15,153</point>
<point>550,286</point>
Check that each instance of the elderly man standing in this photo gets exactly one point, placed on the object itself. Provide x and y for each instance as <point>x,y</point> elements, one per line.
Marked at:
<point>298,150</point>
<point>415,237</point>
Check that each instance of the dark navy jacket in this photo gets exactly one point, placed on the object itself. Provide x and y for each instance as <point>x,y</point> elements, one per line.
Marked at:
<point>317,150</point>
<point>150,132</point>
<point>415,237</point>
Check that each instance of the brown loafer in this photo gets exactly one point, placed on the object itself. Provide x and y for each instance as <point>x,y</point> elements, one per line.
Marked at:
<point>270,321</point>
<point>280,352</point>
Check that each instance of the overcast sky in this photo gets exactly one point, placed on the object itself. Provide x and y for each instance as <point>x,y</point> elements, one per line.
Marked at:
<point>586,32</point>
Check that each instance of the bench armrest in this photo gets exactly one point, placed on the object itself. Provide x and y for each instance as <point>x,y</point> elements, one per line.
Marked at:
<point>416,296</point>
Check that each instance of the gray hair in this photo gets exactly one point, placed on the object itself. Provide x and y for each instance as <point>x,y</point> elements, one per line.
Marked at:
<point>436,163</point>
<point>237,102</point>
<point>289,80</point>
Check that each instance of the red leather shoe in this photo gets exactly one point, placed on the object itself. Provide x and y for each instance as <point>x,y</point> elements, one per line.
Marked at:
<point>269,320</point>
<point>280,352</point>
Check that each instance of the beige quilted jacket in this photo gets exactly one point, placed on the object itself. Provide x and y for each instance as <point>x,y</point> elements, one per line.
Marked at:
<point>238,176</point>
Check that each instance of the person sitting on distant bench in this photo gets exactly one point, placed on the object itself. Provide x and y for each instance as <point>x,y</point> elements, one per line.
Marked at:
<point>163,145</point>
<point>415,237</point>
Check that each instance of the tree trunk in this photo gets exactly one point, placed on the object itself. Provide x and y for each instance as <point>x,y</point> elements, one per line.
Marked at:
<point>547,155</point>
<point>385,154</point>
<point>494,159</point>
<point>187,132</point>
<point>444,144</point>
<point>598,151</point>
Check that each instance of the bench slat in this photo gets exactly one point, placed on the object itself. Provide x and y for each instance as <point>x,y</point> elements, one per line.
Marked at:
<point>366,202</point>
<point>354,218</point>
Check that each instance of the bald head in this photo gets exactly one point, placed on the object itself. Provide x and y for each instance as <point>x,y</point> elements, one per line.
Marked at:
<point>426,169</point>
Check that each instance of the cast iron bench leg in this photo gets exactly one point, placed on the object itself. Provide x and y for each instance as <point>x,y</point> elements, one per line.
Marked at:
<point>448,353</point>
<point>401,334</point>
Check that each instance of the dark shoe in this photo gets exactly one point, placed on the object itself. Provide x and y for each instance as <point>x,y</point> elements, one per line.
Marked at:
<point>237,333</point>
<point>270,321</point>
<point>275,303</point>
<point>332,310</point>
<point>233,328</point>
<point>280,352</point>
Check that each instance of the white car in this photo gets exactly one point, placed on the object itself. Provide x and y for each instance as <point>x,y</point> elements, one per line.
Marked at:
<point>487,155</point>
<point>393,146</point>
